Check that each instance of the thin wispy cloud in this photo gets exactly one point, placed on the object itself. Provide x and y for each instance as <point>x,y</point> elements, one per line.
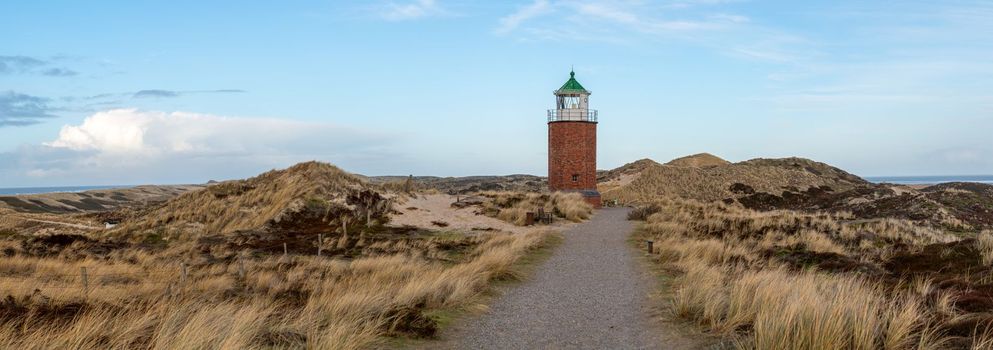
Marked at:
<point>155,93</point>
<point>17,109</point>
<point>939,61</point>
<point>59,72</point>
<point>20,109</point>
<point>619,18</point>
<point>18,64</point>
<point>512,21</point>
<point>416,9</point>
<point>32,65</point>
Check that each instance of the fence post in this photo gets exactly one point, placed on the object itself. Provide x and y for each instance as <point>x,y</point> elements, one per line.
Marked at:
<point>86,281</point>
<point>651,250</point>
<point>320,239</point>
<point>285,251</point>
<point>241,268</point>
<point>182,268</point>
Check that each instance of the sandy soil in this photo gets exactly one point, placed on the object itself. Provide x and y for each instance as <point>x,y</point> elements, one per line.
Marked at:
<point>423,210</point>
<point>29,223</point>
<point>901,189</point>
<point>622,180</point>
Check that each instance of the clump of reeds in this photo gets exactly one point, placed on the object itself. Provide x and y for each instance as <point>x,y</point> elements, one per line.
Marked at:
<point>984,241</point>
<point>514,206</point>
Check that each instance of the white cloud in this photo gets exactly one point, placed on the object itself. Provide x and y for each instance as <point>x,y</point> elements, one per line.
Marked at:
<point>126,146</point>
<point>152,133</point>
<point>412,10</point>
<point>119,130</point>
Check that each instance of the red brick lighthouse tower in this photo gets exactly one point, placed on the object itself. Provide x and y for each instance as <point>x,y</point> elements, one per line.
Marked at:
<point>572,142</point>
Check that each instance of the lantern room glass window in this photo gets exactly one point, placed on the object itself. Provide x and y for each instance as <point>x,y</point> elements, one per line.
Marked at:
<point>568,101</point>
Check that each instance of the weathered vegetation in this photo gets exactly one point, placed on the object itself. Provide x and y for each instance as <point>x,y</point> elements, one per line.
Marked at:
<point>791,280</point>
<point>94,200</point>
<point>295,258</point>
<point>135,297</point>
<point>801,185</point>
<point>467,184</point>
<point>645,180</point>
<point>514,206</point>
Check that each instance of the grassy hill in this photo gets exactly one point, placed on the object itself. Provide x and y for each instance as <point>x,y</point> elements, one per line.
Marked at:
<point>707,178</point>
<point>305,198</point>
<point>239,264</point>
<point>798,184</point>
<point>94,200</point>
<point>699,160</point>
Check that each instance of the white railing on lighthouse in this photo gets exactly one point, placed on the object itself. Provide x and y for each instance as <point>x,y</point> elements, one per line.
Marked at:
<point>572,115</point>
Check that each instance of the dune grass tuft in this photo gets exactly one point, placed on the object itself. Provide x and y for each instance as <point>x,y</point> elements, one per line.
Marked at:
<point>788,280</point>
<point>138,300</point>
<point>514,206</point>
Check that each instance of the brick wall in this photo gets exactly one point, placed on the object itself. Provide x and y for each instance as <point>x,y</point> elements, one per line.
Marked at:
<point>571,151</point>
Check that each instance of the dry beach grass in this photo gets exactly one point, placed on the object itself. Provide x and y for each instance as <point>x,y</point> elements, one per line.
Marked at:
<point>782,279</point>
<point>139,300</point>
<point>235,265</point>
<point>513,207</point>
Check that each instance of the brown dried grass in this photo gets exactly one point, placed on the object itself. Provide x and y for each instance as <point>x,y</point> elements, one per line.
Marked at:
<point>138,301</point>
<point>514,206</point>
<point>727,283</point>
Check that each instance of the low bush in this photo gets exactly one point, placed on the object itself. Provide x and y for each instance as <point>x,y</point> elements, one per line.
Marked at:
<point>514,206</point>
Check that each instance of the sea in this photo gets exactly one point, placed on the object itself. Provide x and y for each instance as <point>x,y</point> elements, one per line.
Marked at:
<point>924,180</point>
<point>35,190</point>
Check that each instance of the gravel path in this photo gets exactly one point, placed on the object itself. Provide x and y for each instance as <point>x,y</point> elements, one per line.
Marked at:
<point>591,293</point>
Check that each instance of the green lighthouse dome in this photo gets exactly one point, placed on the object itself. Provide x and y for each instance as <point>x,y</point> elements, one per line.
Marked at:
<point>572,86</point>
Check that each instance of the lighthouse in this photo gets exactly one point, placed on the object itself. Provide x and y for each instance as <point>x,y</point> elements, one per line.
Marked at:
<point>572,142</point>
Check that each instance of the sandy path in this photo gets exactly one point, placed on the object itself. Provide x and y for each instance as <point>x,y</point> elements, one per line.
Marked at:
<point>592,293</point>
<point>66,224</point>
<point>423,210</point>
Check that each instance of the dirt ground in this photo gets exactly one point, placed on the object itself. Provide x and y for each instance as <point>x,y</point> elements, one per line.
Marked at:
<point>436,211</point>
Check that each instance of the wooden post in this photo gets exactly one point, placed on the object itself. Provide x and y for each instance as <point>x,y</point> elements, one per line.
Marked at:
<point>285,251</point>
<point>241,268</point>
<point>651,249</point>
<point>183,273</point>
<point>320,239</point>
<point>86,281</point>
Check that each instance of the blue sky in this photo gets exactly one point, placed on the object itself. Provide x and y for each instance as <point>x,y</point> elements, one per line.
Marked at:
<point>126,92</point>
